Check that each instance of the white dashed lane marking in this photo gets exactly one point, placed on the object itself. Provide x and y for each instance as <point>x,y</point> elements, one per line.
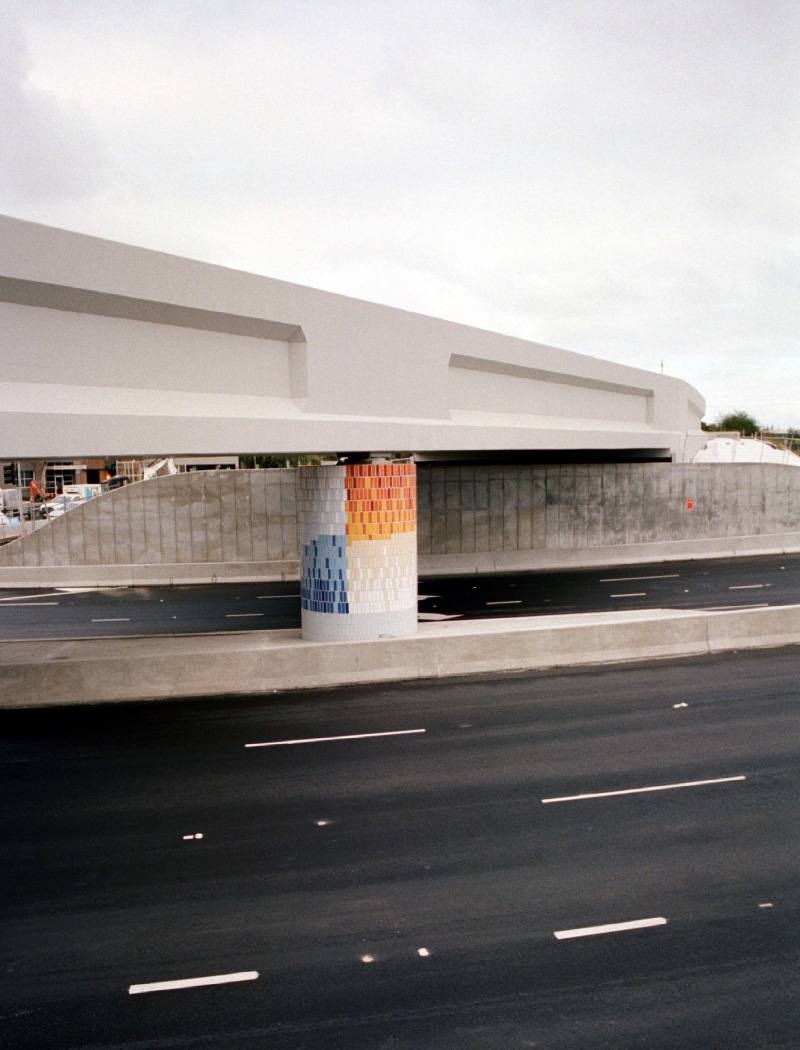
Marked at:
<point>193,982</point>
<point>611,927</point>
<point>628,579</point>
<point>327,739</point>
<point>17,604</point>
<point>642,790</point>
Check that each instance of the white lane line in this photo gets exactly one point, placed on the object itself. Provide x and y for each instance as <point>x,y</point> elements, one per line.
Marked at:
<point>325,739</point>
<point>25,597</point>
<point>267,597</point>
<point>34,605</point>
<point>240,616</point>
<point>639,791</point>
<point>431,616</point>
<point>633,594</point>
<point>512,601</point>
<point>748,586</point>
<point>199,835</point>
<point>423,953</point>
<point>114,619</point>
<point>765,905</point>
<point>193,982</point>
<point>627,579</point>
<point>725,608</point>
<point>58,593</point>
<point>611,927</point>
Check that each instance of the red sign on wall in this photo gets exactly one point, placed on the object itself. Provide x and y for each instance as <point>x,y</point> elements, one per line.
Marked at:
<point>690,504</point>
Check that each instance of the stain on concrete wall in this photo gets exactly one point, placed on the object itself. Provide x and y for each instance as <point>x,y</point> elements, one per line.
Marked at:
<point>466,510</point>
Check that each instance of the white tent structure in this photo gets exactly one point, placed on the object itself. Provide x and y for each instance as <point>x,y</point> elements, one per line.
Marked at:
<point>731,449</point>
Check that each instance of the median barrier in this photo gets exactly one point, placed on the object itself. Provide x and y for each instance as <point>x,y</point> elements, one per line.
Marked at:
<point>166,575</point>
<point>44,673</point>
<point>754,628</point>
<point>429,565</point>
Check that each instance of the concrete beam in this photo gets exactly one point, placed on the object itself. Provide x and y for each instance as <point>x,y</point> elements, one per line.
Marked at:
<point>113,350</point>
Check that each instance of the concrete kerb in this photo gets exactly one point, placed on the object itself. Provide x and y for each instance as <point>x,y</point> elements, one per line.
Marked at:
<point>41,673</point>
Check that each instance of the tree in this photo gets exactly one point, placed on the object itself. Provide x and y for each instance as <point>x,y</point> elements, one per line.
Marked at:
<point>741,421</point>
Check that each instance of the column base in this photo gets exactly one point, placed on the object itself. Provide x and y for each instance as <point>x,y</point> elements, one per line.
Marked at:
<point>358,627</point>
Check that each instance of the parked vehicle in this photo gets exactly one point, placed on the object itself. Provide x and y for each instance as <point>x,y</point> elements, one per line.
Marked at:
<point>54,508</point>
<point>116,482</point>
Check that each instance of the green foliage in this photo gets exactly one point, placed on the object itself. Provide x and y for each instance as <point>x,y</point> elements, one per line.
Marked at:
<point>741,421</point>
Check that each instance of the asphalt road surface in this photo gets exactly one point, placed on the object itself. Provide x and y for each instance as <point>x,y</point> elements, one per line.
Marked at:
<point>439,887</point>
<point>712,584</point>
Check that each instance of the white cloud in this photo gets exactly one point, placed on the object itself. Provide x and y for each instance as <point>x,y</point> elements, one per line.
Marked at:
<point>614,178</point>
<point>48,147</point>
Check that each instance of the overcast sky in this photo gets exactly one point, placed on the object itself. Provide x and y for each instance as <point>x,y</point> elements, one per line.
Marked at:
<point>615,177</point>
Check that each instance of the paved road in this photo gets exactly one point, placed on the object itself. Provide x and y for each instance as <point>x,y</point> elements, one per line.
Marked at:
<point>404,891</point>
<point>718,584</point>
<point>724,583</point>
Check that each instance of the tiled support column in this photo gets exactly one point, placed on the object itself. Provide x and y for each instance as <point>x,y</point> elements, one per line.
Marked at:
<point>357,530</point>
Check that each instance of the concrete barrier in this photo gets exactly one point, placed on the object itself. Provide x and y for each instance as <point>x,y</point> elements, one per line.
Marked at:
<point>429,564</point>
<point>44,673</point>
<point>173,574</point>
<point>604,557</point>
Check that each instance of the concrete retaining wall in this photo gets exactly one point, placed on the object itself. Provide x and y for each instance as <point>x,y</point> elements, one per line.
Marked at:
<point>468,510</point>
<point>241,525</point>
<point>215,519</point>
<point>96,670</point>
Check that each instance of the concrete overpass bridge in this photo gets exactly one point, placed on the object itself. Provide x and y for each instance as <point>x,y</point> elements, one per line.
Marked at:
<point>113,350</point>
